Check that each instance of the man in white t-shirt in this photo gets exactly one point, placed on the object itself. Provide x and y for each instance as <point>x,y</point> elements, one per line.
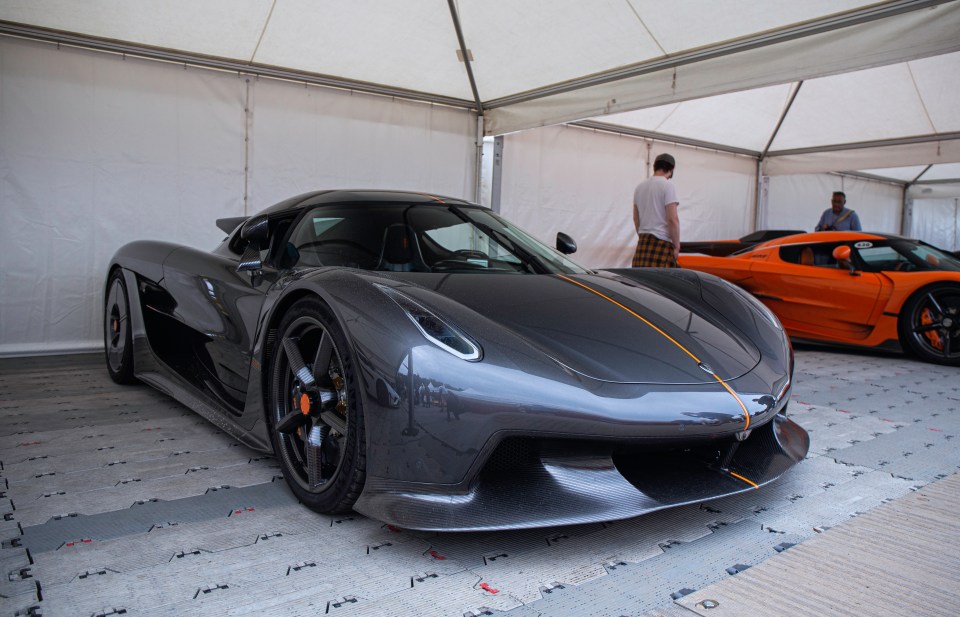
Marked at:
<point>655,217</point>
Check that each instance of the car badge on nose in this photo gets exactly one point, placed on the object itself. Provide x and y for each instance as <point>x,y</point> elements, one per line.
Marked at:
<point>706,368</point>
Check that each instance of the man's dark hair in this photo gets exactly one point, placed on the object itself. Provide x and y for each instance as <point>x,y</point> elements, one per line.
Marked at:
<point>841,194</point>
<point>664,162</point>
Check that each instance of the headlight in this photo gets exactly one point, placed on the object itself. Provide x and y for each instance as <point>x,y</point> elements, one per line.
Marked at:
<point>433,328</point>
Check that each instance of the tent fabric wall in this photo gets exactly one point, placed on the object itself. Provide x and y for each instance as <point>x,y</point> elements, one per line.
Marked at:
<point>306,138</point>
<point>936,221</point>
<point>97,150</point>
<point>796,202</point>
<point>581,182</point>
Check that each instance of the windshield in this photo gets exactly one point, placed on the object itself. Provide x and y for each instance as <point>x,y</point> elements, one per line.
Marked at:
<point>905,256</point>
<point>419,238</point>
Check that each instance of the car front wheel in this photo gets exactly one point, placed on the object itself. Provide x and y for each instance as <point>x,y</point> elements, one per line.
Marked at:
<point>316,413</point>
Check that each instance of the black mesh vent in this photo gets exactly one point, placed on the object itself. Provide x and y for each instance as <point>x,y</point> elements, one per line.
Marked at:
<point>513,453</point>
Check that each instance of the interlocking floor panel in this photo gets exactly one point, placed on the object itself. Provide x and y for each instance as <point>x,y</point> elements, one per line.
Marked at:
<point>900,558</point>
<point>118,500</point>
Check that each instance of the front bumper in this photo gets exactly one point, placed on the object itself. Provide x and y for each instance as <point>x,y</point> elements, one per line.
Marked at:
<point>573,485</point>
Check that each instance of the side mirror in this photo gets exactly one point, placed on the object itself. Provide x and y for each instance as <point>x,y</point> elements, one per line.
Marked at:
<point>566,244</point>
<point>256,232</point>
<point>842,255</point>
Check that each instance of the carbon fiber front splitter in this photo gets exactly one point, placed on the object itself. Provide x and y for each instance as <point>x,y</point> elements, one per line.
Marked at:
<point>565,489</point>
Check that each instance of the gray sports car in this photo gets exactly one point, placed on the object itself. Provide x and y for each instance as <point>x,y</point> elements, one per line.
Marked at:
<point>426,363</point>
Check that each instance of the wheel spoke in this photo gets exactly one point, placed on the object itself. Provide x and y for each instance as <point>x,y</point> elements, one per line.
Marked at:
<point>292,421</point>
<point>296,362</point>
<point>321,361</point>
<point>927,328</point>
<point>313,447</point>
<point>945,338</point>
<point>935,304</point>
<point>334,421</point>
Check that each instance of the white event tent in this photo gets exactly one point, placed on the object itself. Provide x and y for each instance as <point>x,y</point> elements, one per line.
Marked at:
<point>128,120</point>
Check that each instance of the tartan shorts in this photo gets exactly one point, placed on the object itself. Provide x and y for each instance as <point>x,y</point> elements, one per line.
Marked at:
<point>652,252</point>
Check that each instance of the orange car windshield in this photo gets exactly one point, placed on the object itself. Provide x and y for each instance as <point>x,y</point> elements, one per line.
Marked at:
<point>905,255</point>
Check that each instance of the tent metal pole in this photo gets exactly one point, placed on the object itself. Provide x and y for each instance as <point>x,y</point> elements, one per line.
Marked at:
<point>247,132</point>
<point>906,211</point>
<point>759,202</point>
<point>783,117</point>
<point>919,175</point>
<point>906,215</point>
<point>466,56</point>
<point>478,166</point>
<point>495,182</point>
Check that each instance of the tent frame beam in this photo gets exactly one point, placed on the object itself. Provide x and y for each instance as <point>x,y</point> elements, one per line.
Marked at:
<point>783,118</point>
<point>880,143</point>
<point>766,39</point>
<point>684,141</point>
<point>70,39</point>
<point>465,52</point>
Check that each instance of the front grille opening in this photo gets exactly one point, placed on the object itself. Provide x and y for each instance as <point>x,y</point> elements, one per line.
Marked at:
<point>513,454</point>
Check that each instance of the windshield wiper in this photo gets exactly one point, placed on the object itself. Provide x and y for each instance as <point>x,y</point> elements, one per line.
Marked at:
<point>527,258</point>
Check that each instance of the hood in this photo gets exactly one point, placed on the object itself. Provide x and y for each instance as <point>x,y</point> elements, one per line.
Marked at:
<point>605,327</point>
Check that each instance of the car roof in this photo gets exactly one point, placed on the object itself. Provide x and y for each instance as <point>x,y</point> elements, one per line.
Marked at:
<point>360,196</point>
<point>827,236</point>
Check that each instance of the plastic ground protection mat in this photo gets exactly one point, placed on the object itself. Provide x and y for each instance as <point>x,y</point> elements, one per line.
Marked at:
<point>250,549</point>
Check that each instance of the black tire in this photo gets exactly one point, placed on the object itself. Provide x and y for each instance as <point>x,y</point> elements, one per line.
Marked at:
<point>929,324</point>
<point>117,337</point>
<point>330,435</point>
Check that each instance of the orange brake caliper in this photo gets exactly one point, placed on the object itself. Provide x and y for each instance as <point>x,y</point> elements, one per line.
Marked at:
<point>926,318</point>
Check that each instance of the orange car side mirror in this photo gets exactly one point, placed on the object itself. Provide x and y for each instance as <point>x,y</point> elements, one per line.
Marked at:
<point>842,255</point>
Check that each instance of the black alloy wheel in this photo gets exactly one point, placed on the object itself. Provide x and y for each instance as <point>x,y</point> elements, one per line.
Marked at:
<point>117,337</point>
<point>317,417</point>
<point>930,324</point>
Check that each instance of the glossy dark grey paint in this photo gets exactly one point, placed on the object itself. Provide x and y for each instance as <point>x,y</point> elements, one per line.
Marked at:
<point>579,370</point>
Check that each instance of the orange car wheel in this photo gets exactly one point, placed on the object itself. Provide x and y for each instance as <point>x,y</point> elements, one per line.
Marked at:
<point>929,324</point>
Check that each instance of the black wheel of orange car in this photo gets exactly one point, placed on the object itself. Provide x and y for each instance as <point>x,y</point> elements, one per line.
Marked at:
<point>117,337</point>
<point>317,417</point>
<point>930,324</point>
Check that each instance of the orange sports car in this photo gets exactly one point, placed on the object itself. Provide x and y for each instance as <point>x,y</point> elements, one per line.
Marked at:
<point>853,288</point>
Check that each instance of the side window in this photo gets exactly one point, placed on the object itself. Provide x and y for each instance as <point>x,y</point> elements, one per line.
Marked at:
<point>809,255</point>
<point>326,239</point>
<point>803,255</point>
<point>880,258</point>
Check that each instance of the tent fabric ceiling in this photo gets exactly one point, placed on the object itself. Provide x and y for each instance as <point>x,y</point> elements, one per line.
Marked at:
<point>720,71</point>
<point>516,46</point>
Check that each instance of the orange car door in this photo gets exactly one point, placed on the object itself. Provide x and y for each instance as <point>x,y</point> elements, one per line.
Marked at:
<point>825,300</point>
